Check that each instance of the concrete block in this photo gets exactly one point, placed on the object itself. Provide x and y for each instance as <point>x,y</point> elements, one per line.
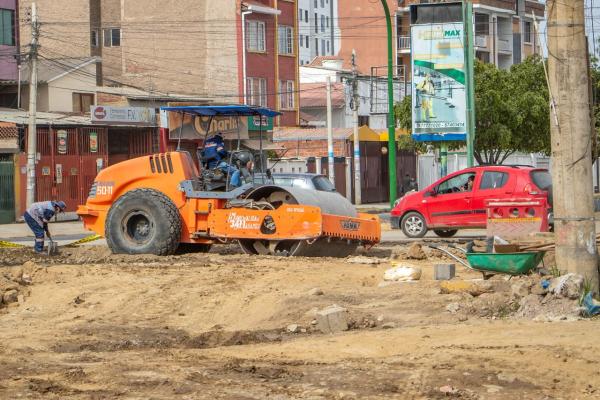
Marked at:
<point>443,272</point>
<point>332,319</point>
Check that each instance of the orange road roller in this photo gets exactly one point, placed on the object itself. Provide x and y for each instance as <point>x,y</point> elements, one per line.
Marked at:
<point>156,204</point>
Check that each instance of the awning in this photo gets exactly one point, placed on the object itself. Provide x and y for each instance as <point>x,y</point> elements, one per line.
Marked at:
<point>254,144</point>
<point>260,8</point>
<point>230,111</point>
<point>384,136</point>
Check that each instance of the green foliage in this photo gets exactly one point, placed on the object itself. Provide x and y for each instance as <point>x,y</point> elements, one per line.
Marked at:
<point>511,110</point>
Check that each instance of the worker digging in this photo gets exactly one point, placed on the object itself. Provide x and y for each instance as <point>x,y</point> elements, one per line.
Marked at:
<point>37,218</point>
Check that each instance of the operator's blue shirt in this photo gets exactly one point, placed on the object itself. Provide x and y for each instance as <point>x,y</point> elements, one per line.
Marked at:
<point>214,151</point>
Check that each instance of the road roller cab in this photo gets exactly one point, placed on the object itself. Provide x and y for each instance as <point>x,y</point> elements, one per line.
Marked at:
<point>156,204</point>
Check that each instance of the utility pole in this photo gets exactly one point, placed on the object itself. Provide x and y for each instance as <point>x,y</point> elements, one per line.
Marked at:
<point>357,185</point>
<point>32,131</point>
<point>330,134</point>
<point>571,137</point>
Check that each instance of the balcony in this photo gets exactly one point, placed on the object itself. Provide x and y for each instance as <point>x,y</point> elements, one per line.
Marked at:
<point>404,44</point>
<point>504,45</point>
<point>481,41</point>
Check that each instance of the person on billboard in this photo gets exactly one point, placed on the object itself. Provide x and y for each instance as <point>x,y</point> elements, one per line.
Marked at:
<point>214,156</point>
<point>37,217</point>
<point>425,91</point>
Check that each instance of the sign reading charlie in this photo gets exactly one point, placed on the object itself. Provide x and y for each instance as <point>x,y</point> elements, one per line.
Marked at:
<point>195,127</point>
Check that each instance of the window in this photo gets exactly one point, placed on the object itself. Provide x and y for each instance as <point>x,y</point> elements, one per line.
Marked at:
<point>482,24</point>
<point>316,4</point>
<point>82,102</point>
<point>316,46</point>
<point>493,180</point>
<point>112,37</point>
<point>322,3</point>
<point>300,14</point>
<point>7,27</point>
<point>323,46</point>
<point>328,21</point>
<point>94,38</point>
<point>542,179</point>
<point>306,16</point>
<point>256,91</point>
<point>286,40</point>
<point>328,47</point>
<point>307,41</point>
<point>255,36</point>
<point>322,23</point>
<point>456,184</point>
<point>527,32</point>
<point>286,95</point>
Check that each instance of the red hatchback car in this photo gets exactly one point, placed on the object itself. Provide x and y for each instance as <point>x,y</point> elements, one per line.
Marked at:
<point>457,201</point>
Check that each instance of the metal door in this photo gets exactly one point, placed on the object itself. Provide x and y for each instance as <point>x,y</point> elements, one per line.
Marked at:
<point>7,190</point>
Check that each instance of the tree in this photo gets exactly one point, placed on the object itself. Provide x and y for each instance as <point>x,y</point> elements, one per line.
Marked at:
<point>511,111</point>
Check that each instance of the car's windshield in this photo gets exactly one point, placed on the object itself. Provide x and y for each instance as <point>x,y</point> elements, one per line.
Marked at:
<point>542,179</point>
<point>291,181</point>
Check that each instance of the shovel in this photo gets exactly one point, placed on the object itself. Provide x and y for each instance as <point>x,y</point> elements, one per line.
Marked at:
<point>52,246</point>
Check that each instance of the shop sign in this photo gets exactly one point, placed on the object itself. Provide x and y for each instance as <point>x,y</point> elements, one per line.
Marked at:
<point>93,142</point>
<point>62,142</point>
<point>196,127</point>
<point>144,116</point>
<point>59,176</point>
<point>46,171</point>
<point>257,123</point>
<point>74,171</point>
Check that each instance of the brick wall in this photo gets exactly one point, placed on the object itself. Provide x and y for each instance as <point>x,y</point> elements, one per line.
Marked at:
<point>313,148</point>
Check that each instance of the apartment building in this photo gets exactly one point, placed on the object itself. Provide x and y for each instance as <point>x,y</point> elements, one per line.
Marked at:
<point>317,22</point>
<point>9,42</point>
<point>503,29</point>
<point>270,57</point>
<point>155,51</point>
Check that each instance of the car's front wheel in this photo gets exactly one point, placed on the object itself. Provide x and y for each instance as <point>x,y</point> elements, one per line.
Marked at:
<point>445,233</point>
<point>413,225</point>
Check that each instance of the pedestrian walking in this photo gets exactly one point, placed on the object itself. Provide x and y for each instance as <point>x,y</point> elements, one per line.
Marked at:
<point>37,218</point>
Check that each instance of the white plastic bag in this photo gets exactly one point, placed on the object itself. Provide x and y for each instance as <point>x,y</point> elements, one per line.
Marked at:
<point>402,273</point>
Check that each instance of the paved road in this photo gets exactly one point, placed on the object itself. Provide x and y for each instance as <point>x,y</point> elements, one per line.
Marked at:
<point>67,232</point>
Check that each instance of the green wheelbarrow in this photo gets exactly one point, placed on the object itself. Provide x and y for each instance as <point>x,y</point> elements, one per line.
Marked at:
<point>490,264</point>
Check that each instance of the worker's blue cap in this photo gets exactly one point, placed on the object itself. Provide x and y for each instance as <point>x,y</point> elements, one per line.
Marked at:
<point>60,204</point>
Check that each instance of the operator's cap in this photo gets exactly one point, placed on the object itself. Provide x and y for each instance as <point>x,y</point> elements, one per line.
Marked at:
<point>60,204</point>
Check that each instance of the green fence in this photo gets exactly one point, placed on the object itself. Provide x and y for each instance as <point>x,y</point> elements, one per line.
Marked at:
<point>7,192</point>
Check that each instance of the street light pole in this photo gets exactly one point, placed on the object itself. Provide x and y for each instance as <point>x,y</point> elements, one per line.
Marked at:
<point>391,116</point>
<point>467,12</point>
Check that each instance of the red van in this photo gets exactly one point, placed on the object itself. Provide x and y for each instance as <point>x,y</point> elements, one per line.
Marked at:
<point>457,201</point>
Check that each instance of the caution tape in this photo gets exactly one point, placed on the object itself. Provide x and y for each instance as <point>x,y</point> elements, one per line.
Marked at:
<point>4,243</point>
<point>87,239</point>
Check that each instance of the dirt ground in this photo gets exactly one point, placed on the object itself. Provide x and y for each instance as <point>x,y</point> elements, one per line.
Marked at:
<point>90,325</point>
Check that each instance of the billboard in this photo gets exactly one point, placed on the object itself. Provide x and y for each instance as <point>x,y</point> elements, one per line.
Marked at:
<point>123,115</point>
<point>438,82</point>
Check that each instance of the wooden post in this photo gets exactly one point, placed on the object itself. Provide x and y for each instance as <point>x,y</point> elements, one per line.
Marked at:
<point>571,140</point>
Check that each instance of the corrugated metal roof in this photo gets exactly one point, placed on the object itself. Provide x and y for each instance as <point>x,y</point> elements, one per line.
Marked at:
<point>52,70</point>
<point>315,95</point>
<point>282,134</point>
<point>44,118</point>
